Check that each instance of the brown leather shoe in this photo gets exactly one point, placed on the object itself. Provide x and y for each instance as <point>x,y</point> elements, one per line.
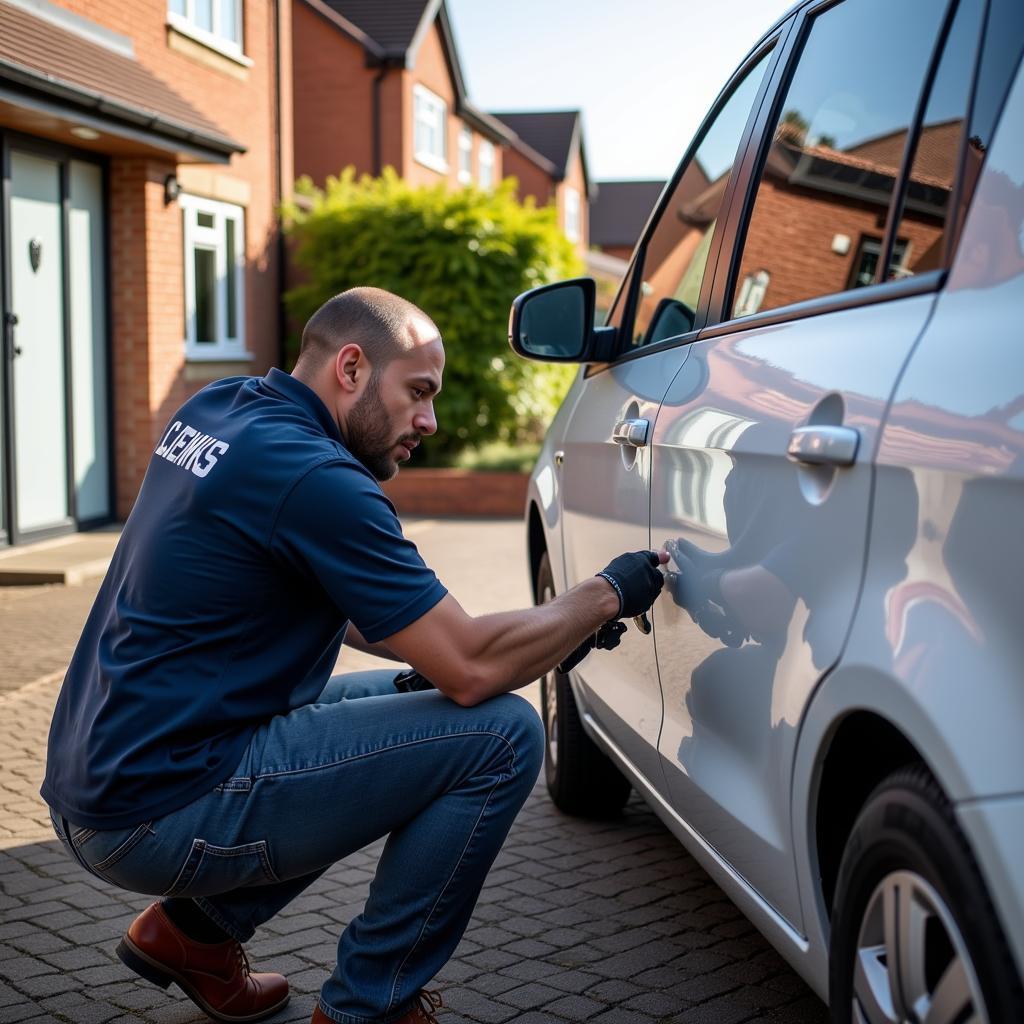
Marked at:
<point>215,976</point>
<point>424,1013</point>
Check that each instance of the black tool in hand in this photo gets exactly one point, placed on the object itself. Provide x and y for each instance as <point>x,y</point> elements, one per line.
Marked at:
<point>606,638</point>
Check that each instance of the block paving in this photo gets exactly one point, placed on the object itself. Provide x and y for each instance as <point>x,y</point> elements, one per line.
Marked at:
<point>609,922</point>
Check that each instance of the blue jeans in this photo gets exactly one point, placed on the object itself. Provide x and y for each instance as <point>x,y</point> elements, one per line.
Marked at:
<point>443,782</point>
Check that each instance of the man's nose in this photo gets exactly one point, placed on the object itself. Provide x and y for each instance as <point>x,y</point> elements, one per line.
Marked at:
<point>426,422</point>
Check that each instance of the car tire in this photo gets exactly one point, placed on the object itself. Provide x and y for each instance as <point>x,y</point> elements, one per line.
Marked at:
<point>913,927</point>
<point>580,778</point>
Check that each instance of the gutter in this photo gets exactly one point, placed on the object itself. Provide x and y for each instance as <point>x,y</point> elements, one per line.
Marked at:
<point>136,117</point>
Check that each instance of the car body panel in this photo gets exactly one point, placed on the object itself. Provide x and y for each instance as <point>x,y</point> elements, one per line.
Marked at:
<point>936,646</point>
<point>724,490</point>
<point>605,511</point>
<point>996,829</point>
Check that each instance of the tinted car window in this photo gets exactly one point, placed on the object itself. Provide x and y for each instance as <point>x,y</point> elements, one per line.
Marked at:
<point>825,188</point>
<point>676,254</point>
<point>924,219</point>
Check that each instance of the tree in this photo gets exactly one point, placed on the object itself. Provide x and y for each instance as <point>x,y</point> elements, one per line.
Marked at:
<point>462,256</point>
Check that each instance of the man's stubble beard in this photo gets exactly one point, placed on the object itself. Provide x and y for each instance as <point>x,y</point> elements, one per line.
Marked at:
<point>369,435</point>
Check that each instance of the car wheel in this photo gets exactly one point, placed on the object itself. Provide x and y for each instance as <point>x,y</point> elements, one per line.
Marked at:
<point>915,937</point>
<point>580,777</point>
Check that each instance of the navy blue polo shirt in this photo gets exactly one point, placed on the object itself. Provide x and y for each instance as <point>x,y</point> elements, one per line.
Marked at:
<point>256,538</point>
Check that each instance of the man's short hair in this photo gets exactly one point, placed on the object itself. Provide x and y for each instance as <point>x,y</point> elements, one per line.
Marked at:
<point>372,318</point>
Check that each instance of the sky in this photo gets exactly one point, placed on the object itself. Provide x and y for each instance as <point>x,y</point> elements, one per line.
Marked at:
<point>644,73</point>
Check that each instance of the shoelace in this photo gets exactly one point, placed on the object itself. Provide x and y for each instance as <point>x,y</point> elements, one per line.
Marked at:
<point>243,960</point>
<point>430,1002</point>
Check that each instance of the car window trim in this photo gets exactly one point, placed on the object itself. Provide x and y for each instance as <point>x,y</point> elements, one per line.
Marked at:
<point>919,284</point>
<point>894,217</point>
<point>725,282</point>
<point>995,13</point>
<point>773,44</point>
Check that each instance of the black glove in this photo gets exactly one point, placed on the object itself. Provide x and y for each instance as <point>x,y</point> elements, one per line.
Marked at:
<point>636,579</point>
<point>605,639</point>
<point>409,680</point>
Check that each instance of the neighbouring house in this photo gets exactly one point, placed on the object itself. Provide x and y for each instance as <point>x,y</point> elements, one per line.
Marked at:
<point>548,158</point>
<point>146,148</point>
<point>377,83</point>
<point>618,214</point>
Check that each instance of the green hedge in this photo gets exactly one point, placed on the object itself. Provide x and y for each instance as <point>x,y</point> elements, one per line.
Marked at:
<point>462,256</point>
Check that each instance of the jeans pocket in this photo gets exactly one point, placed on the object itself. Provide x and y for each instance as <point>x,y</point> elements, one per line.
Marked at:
<point>100,850</point>
<point>211,870</point>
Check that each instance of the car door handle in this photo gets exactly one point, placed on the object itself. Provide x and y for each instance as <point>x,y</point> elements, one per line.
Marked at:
<point>824,445</point>
<point>631,432</point>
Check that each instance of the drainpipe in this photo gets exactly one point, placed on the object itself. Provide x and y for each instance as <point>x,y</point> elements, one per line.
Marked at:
<point>282,252</point>
<point>377,80</point>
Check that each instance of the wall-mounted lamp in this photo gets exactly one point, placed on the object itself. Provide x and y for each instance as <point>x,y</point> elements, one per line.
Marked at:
<point>171,189</point>
<point>80,131</point>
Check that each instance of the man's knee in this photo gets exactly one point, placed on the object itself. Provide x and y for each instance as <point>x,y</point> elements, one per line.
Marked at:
<point>525,732</point>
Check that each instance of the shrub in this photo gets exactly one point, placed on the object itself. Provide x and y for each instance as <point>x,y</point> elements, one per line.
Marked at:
<point>462,256</point>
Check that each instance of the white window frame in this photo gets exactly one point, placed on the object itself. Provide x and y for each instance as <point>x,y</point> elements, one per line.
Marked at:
<point>571,212</point>
<point>214,239</point>
<point>187,24</point>
<point>430,111</point>
<point>485,162</point>
<point>465,155</point>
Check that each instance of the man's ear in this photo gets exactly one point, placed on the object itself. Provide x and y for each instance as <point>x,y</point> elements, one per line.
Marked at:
<point>349,366</point>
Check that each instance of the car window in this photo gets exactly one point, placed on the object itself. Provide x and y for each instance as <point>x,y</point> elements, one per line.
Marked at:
<point>824,191</point>
<point>920,243</point>
<point>676,253</point>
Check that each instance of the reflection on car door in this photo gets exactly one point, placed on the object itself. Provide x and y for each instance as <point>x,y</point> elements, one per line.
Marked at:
<point>606,481</point>
<point>761,474</point>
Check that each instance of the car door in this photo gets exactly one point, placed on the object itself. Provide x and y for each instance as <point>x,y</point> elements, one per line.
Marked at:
<point>605,456</point>
<point>762,451</point>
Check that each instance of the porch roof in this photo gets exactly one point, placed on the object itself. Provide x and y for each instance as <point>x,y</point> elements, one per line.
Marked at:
<point>45,65</point>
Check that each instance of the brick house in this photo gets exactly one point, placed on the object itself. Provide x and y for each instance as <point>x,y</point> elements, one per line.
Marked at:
<point>379,84</point>
<point>146,145</point>
<point>618,214</point>
<point>548,158</point>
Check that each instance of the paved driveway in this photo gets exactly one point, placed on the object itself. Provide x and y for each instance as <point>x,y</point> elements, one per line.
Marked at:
<point>579,921</point>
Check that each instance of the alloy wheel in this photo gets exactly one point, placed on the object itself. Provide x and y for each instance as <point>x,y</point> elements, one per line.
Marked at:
<point>912,964</point>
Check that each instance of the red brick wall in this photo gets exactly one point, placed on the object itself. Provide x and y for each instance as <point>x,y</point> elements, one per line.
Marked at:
<point>790,236</point>
<point>146,251</point>
<point>532,180</point>
<point>146,284</point>
<point>623,252</point>
<point>332,98</point>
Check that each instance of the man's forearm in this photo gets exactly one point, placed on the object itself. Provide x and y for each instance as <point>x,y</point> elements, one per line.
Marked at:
<point>515,648</point>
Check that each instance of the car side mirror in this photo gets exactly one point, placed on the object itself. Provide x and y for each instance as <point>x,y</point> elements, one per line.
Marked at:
<point>555,324</point>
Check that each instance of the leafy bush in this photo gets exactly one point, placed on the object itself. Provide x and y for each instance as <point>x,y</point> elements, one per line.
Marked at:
<point>462,256</point>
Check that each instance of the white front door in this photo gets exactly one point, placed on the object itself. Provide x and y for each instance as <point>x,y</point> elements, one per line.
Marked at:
<point>36,257</point>
<point>55,467</point>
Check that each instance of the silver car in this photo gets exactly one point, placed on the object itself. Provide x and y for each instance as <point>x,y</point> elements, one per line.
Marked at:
<point>810,389</point>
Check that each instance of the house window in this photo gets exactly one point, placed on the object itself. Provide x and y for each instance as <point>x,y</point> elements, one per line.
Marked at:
<point>486,160</point>
<point>214,279</point>
<point>430,117</point>
<point>572,215</point>
<point>217,23</point>
<point>465,156</point>
<point>865,266</point>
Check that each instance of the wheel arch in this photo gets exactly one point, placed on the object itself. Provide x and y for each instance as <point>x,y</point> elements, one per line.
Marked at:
<point>536,544</point>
